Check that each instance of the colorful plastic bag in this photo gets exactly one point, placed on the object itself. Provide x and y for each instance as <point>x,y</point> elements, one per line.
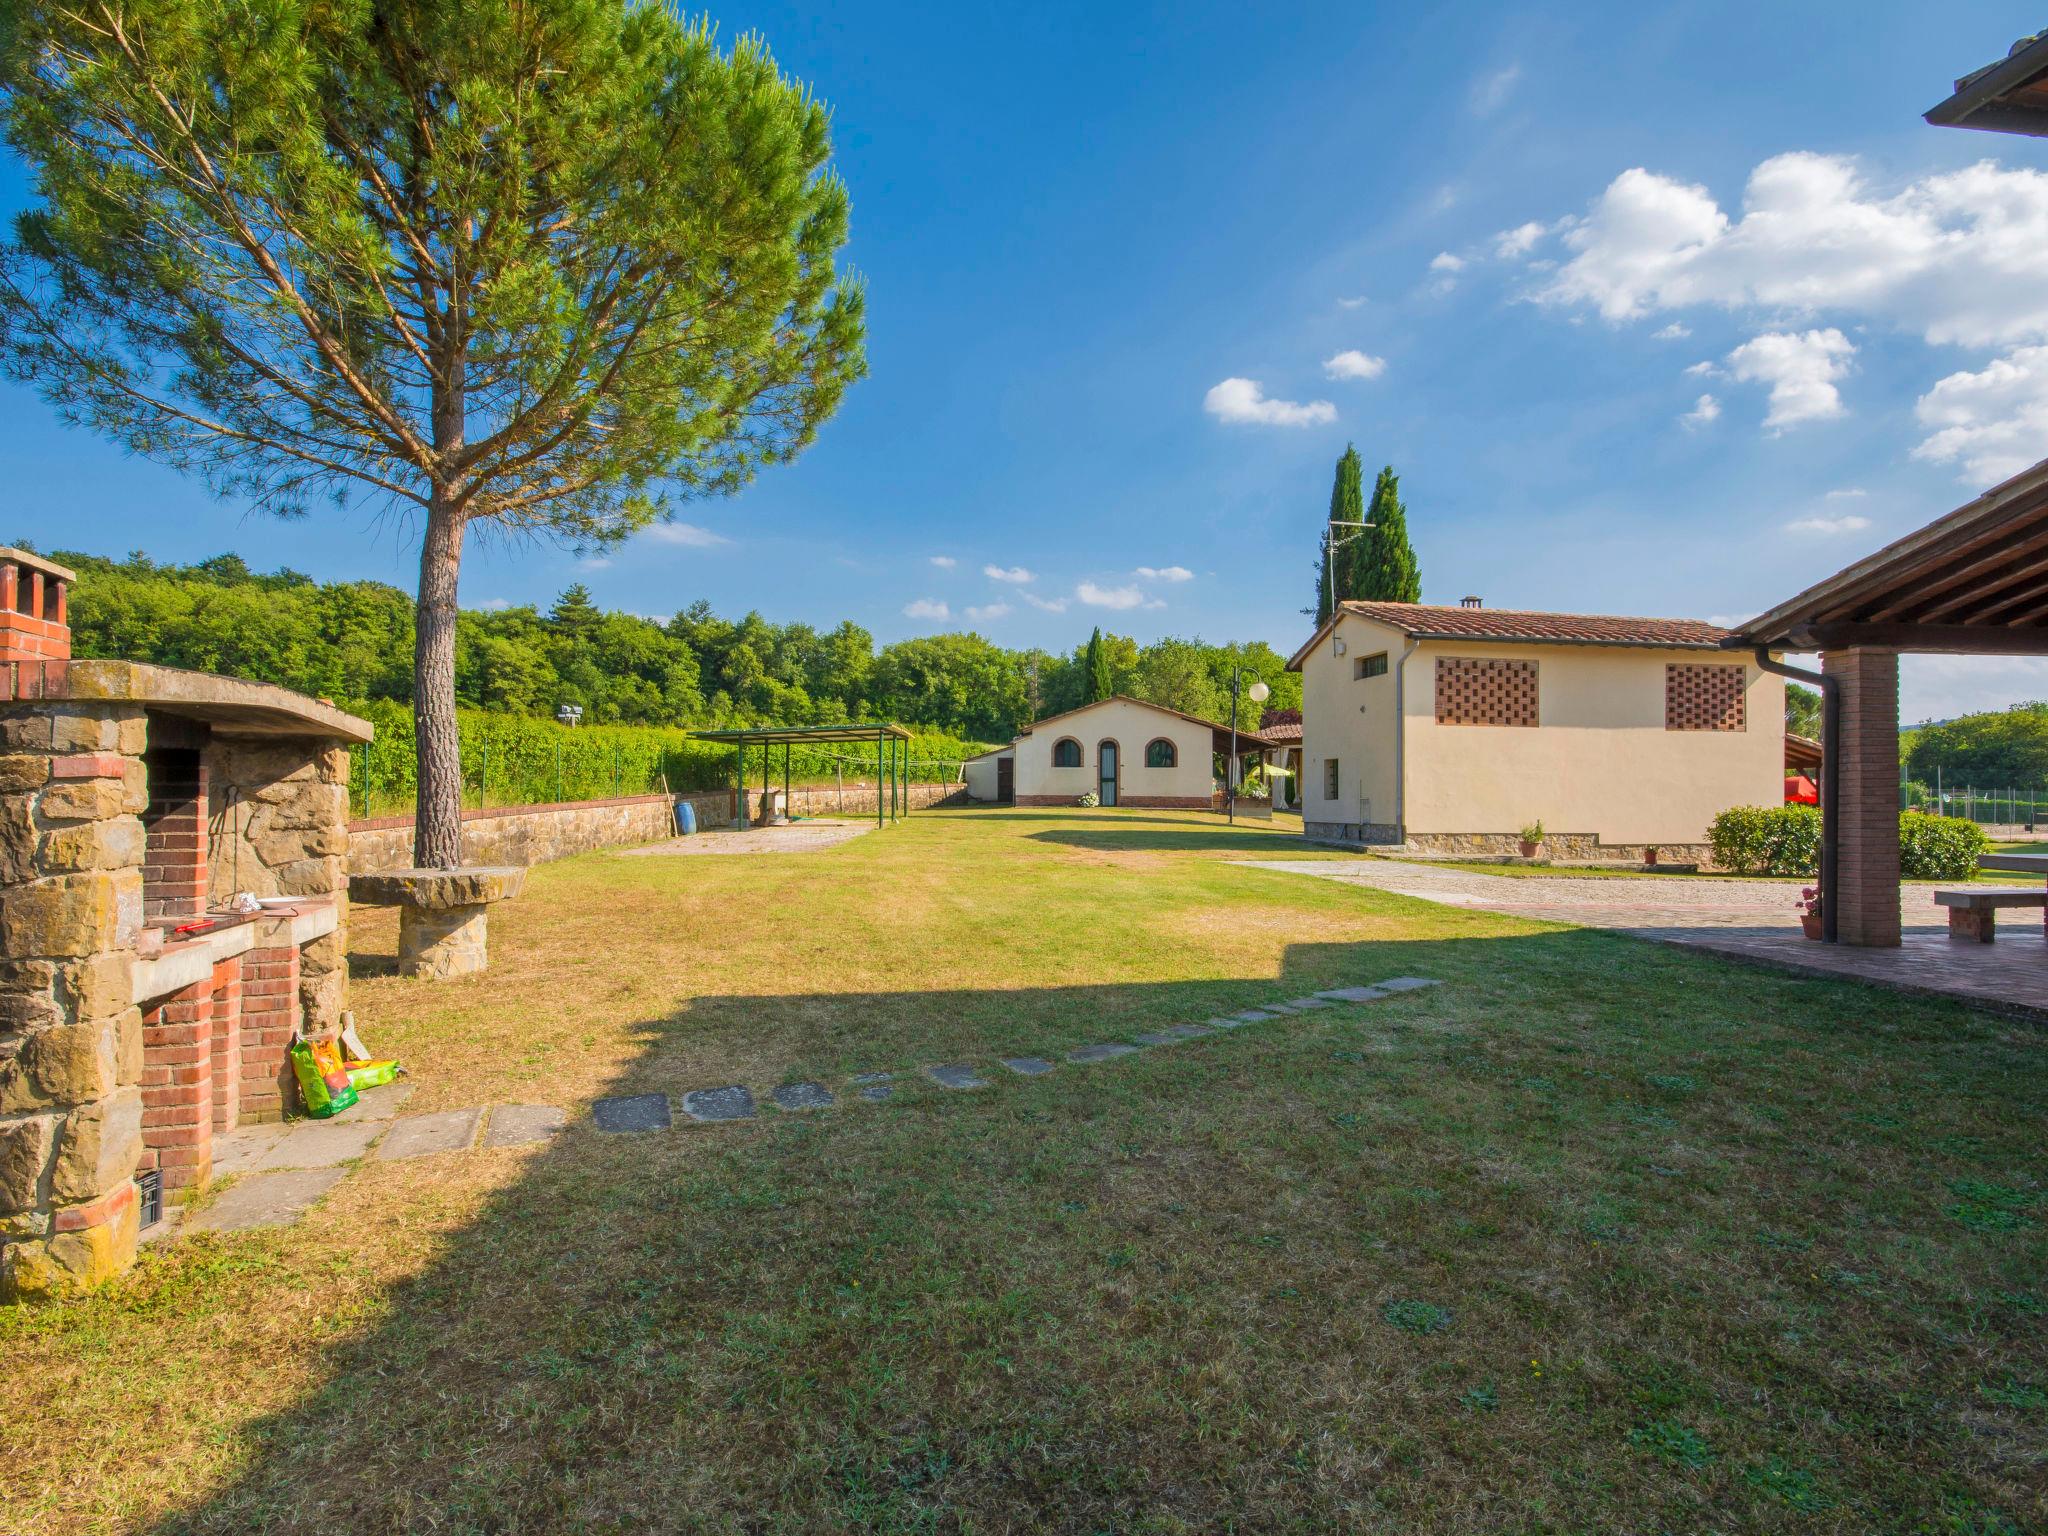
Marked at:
<point>323,1081</point>
<point>372,1074</point>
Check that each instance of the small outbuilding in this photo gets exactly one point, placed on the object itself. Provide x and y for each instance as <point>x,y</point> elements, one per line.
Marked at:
<point>1123,750</point>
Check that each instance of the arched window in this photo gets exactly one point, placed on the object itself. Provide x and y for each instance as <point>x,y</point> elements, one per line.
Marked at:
<point>1066,753</point>
<point>1159,753</point>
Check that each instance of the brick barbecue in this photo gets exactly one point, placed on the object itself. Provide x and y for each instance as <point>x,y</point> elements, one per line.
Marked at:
<point>139,1017</point>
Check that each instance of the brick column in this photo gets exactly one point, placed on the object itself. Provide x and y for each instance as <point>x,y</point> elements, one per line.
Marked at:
<point>1867,768</point>
<point>177,1087</point>
<point>270,1016</point>
<point>227,1043</point>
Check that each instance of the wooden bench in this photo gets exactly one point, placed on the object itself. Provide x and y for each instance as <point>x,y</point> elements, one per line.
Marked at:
<point>1973,913</point>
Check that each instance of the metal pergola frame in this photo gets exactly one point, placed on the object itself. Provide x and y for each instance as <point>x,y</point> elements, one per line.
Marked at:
<point>892,756</point>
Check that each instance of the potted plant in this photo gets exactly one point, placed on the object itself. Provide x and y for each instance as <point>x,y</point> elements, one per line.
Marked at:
<point>1808,907</point>
<point>1532,839</point>
<point>1650,855</point>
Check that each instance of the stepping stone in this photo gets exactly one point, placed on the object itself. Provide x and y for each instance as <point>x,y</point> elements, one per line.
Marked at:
<point>1408,983</point>
<point>452,1130</point>
<point>1092,1053</point>
<point>1254,1016</point>
<point>265,1200</point>
<point>876,1093</point>
<point>802,1096</point>
<point>632,1112</point>
<point>871,1077</point>
<point>716,1104</point>
<point>519,1125</point>
<point>1354,994</point>
<point>1229,1023</point>
<point>1028,1066</point>
<point>956,1075</point>
<point>320,1144</point>
<point>380,1103</point>
<point>1173,1034</point>
<point>1277,1007</point>
<point>1303,1004</point>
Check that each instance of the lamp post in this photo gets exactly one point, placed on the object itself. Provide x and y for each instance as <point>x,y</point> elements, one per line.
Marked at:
<point>1258,693</point>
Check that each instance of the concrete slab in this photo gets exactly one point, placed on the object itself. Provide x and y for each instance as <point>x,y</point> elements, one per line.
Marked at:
<point>796,1096</point>
<point>264,1200</point>
<point>871,1077</point>
<point>1354,994</point>
<point>1304,1004</point>
<point>380,1103</point>
<point>957,1074</point>
<point>1173,1034</point>
<point>1408,984</point>
<point>240,1150</point>
<point>719,1104</point>
<point>1028,1066</point>
<point>1255,1016</point>
<point>319,1144</point>
<point>520,1125</point>
<point>1086,1054</point>
<point>452,1130</point>
<point>624,1114</point>
<point>1277,1007</point>
<point>878,1093</point>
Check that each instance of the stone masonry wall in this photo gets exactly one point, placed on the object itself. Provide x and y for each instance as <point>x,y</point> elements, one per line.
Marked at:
<point>534,834</point>
<point>71,853</point>
<point>277,825</point>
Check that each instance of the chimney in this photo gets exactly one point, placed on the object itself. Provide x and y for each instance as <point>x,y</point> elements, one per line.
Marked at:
<point>35,637</point>
<point>1470,602</point>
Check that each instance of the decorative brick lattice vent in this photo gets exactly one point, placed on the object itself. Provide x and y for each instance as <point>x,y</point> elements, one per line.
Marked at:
<point>1472,691</point>
<point>1703,698</point>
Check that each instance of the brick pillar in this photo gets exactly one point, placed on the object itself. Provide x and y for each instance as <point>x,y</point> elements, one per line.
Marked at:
<point>1867,768</point>
<point>177,1087</point>
<point>227,1043</point>
<point>270,1016</point>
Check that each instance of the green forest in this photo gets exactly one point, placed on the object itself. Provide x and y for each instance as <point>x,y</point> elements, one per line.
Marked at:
<point>352,642</point>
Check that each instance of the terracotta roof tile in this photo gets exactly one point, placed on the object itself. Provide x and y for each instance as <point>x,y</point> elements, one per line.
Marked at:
<point>1432,622</point>
<point>1290,731</point>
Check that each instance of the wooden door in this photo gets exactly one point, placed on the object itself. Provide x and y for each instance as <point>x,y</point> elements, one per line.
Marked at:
<point>1006,780</point>
<point>1106,758</point>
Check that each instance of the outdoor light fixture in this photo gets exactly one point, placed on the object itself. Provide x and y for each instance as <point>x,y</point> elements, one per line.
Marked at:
<point>1259,693</point>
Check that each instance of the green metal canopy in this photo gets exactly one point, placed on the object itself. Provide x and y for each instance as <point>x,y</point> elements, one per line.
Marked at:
<point>892,757</point>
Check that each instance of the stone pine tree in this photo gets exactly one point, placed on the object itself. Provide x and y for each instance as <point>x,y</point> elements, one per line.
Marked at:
<point>1098,683</point>
<point>545,268</point>
<point>1382,564</point>
<point>1347,505</point>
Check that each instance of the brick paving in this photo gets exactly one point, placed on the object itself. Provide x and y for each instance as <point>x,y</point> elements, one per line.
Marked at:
<point>1748,920</point>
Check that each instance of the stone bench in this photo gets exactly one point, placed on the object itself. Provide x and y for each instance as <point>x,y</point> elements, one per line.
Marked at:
<point>442,913</point>
<point>1973,913</point>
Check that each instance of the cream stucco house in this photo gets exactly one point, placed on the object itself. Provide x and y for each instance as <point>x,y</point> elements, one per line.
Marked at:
<point>1450,729</point>
<point>1124,750</point>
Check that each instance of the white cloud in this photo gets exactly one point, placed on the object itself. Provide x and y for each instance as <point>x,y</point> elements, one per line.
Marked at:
<point>1847,493</point>
<point>1801,368</point>
<point>927,608</point>
<point>1703,371</point>
<point>1672,332</point>
<point>944,562</point>
<point>1356,302</point>
<point>1491,91</point>
<point>1354,365</point>
<point>1049,604</point>
<point>1704,410</point>
<point>1519,241</point>
<point>1848,523</point>
<point>1109,597</point>
<point>594,563</point>
<point>1016,575</point>
<point>687,534</point>
<point>989,611</point>
<point>1241,401</point>
<point>495,604</point>
<point>1994,423</point>
<point>1164,573</point>
<point>1445,261</point>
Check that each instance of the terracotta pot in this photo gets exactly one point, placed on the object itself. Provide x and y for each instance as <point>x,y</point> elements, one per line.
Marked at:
<point>1811,922</point>
<point>1649,856</point>
<point>1529,848</point>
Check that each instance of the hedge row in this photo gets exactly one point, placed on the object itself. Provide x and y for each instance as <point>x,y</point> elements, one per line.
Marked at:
<point>1785,840</point>
<point>510,759</point>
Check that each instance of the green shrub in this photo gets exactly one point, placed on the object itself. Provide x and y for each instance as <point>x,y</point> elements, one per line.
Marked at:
<point>1785,840</point>
<point>1939,847</point>
<point>1767,840</point>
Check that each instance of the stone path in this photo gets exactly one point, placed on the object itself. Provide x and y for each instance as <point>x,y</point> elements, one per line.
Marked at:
<point>1748,920</point>
<point>282,1170</point>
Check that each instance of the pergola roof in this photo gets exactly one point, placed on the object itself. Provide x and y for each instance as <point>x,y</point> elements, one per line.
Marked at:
<point>1972,582</point>
<point>2010,96</point>
<point>803,735</point>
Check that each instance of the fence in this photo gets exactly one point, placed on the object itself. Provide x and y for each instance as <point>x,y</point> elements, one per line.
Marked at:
<point>2023,809</point>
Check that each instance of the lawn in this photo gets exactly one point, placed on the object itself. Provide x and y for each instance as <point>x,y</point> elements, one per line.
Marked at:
<point>1598,1235</point>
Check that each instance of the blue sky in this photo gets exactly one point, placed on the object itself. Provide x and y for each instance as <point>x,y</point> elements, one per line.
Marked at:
<point>1663,309</point>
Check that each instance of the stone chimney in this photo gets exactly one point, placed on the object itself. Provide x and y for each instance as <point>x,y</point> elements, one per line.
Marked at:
<point>1470,602</point>
<point>35,634</point>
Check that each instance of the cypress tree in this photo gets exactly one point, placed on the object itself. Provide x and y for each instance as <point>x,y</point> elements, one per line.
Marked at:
<point>1100,685</point>
<point>1382,565</point>
<point>1347,505</point>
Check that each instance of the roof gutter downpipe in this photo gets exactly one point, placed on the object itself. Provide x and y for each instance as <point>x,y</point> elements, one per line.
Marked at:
<point>1401,744</point>
<point>1830,776</point>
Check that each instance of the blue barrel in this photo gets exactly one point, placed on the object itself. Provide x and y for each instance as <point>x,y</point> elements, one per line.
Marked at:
<point>686,817</point>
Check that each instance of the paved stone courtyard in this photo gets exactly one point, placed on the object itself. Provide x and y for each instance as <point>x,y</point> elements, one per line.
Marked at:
<point>1750,920</point>
<point>281,1170</point>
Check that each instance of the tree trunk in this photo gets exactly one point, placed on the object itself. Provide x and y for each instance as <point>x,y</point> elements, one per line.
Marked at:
<point>437,821</point>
